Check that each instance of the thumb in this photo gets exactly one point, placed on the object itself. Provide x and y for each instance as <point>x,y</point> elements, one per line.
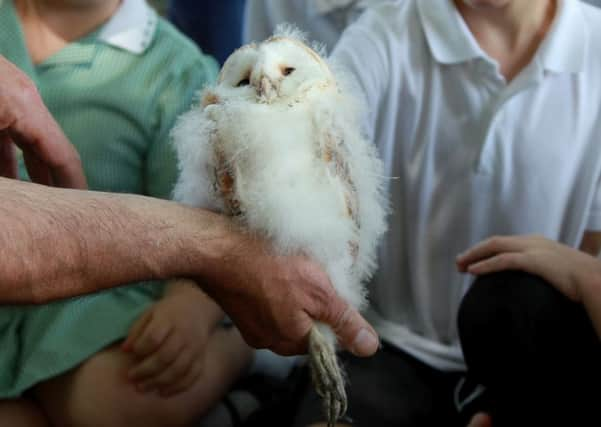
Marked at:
<point>353,332</point>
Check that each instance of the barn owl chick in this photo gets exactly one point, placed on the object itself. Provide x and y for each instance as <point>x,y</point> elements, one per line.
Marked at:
<point>276,144</point>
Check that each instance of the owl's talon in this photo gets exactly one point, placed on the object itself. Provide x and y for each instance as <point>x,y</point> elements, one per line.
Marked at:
<point>327,378</point>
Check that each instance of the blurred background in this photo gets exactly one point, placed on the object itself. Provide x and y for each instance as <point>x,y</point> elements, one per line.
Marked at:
<point>160,5</point>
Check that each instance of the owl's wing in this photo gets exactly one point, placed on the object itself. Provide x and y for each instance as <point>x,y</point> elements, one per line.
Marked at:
<point>333,152</point>
<point>224,183</point>
<point>352,159</point>
<point>194,139</point>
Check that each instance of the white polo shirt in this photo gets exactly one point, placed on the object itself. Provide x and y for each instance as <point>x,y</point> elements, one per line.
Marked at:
<point>322,20</point>
<point>471,155</point>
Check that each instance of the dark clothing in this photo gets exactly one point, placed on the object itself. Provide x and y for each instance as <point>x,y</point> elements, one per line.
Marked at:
<point>215,25</point>
<point>392,389</point>
<point>534,351</point>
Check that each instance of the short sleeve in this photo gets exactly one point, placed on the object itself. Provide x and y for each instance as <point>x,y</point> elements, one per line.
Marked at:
<point>361,56</point>
<point>177,97</point>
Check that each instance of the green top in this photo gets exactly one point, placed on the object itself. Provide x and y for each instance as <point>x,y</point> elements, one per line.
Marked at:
<point>116,107</point>
<point>116,99</point>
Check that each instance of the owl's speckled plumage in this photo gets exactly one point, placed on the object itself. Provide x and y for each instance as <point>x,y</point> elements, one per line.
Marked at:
<point>276,143</point>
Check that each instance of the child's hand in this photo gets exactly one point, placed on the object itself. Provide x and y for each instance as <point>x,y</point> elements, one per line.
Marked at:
<point>169,340</point>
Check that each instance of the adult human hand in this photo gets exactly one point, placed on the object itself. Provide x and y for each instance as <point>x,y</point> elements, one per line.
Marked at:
<point>565,268</point>
<point>24,120</point>
<point>274,300</point>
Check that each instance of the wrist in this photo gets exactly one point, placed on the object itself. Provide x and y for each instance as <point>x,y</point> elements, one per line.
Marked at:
<point>197,244</point>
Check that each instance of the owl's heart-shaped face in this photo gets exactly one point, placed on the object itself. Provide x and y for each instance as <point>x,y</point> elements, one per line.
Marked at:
<point>276,70</point>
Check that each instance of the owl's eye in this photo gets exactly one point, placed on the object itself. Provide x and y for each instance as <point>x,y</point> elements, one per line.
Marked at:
<point>288,70</point>
<point>243,82</point>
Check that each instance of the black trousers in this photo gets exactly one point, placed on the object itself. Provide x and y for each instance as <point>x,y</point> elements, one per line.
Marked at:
<point>534,350</point>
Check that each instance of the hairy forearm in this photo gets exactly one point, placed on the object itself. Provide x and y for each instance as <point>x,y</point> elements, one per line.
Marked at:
<point>57,243</point>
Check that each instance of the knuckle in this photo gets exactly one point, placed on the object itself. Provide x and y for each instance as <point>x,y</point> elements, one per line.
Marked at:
<point>509,261</point>
<point>342,319</point>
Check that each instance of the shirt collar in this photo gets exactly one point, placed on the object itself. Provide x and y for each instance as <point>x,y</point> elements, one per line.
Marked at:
<point>448,36</point>
<point>131,28</point>
<point>451,41</point>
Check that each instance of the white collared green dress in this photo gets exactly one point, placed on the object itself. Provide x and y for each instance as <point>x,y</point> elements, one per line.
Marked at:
<point>116,93</point>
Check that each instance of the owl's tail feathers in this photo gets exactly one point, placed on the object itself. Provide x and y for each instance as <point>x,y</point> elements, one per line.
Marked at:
<point>328,378</point>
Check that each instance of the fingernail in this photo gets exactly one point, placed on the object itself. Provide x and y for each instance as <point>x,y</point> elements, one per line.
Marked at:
<point>366,343</point>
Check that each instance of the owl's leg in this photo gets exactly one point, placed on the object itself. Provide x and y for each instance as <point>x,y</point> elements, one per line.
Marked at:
<point>326,373</point>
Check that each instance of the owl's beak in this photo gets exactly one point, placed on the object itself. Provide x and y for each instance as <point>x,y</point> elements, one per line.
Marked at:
<point>266,90</point>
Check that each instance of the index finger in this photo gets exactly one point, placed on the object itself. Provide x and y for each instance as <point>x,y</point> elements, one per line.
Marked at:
<point>31,126</point>
<point>488,248</point>
<point>50,154</point>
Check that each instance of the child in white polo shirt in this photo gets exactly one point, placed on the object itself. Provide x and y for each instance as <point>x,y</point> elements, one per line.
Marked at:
<point>488,116</point>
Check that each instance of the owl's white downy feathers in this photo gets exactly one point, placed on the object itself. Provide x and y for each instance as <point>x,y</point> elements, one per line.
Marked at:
<point>276,143</point>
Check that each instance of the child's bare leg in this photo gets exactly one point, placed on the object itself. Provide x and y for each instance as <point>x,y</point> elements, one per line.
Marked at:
<point>21,413</point>
<point>98,393</point>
